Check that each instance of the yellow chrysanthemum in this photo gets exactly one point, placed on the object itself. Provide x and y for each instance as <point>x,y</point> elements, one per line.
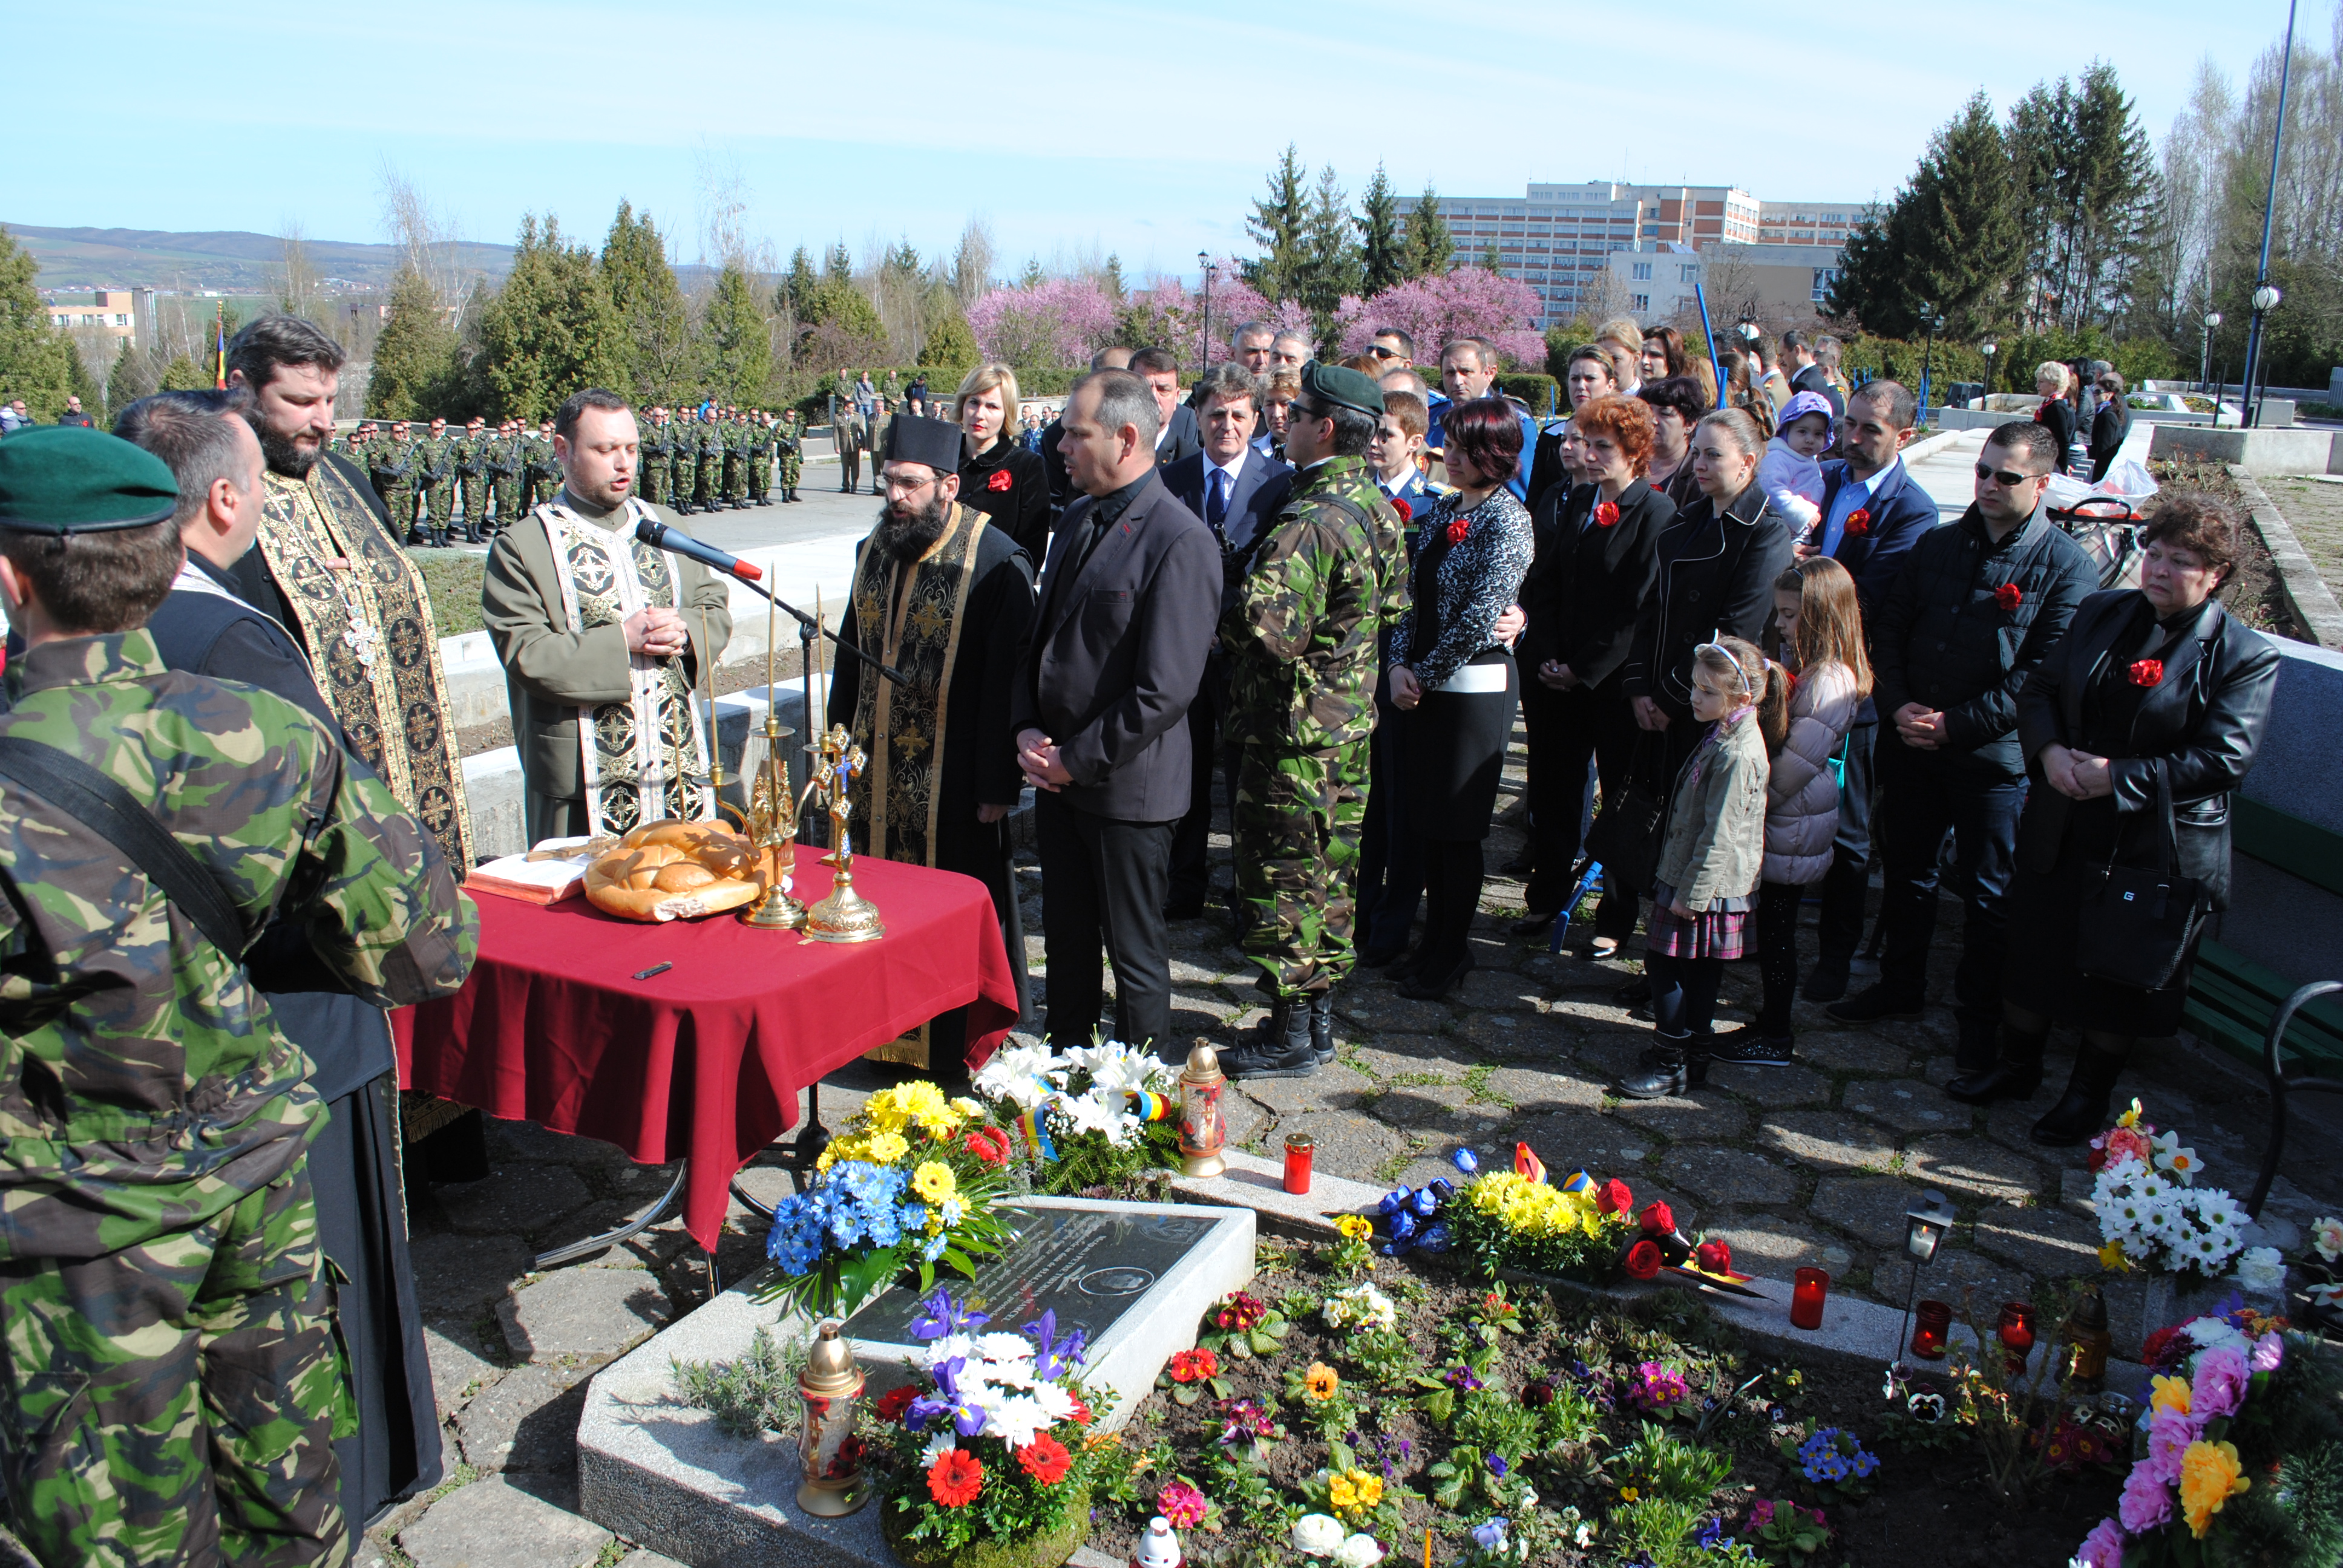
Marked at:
<point>2171,1394</point>
<point>965,1106</point>
<point>924,1104</point>
<point>884,1111</point>
<point>2209,1477</point>
<point>933,1180</point>
<point>886,1148</point>
<point>1355,1227</point>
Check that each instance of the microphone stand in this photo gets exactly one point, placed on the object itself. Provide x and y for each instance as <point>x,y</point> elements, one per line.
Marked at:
<point>809,628</point>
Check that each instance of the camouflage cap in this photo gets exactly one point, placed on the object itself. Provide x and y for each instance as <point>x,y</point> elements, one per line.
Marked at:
<point>1343,387</point>
<point>75,479</point>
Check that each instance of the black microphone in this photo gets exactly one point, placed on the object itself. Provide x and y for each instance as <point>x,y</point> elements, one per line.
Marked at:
<point>659,536</point>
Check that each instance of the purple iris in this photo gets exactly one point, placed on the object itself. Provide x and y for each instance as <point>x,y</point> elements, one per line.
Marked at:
<point>947,1402</point>
<point>1054,1358</point>
<point>945,1316</point>
<point>1497,1465</point>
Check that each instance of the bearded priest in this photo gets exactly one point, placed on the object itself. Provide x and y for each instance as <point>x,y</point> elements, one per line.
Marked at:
<point>946,599</point>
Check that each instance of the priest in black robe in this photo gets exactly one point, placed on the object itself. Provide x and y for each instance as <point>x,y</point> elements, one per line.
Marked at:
<point>204,626</point>
<point>945,598</point>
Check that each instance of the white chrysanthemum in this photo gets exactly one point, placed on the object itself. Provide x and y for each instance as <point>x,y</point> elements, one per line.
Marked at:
<point>1001,1347</point>
<point>2161,1222</point>
<point>2217,1211</point>
<point>1016,1421</point>
<point>943,1349</point>
<point>1055,1403</point>
<point>2153,1188</point>
<point>942,1441</point>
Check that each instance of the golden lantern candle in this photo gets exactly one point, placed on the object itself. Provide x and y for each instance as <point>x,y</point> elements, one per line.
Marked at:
<point>828,1451</point>
<point>1204,1130</point>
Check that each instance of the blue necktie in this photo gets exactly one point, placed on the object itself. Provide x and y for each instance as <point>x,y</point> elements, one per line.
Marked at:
<point>1216,505</point>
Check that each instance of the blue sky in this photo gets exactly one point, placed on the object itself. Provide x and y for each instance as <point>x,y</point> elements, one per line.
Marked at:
<point>1068,125</point>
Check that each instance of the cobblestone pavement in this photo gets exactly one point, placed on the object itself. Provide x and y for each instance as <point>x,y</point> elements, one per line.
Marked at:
<point>1813,1164</point>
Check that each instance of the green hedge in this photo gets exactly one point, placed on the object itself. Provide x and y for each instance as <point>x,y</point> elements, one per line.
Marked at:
<point>2018,353</point>
<point>811,398</point>
<point>1543,394</point>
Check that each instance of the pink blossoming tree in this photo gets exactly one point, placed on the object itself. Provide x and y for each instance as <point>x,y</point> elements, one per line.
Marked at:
<point>1470,302</point>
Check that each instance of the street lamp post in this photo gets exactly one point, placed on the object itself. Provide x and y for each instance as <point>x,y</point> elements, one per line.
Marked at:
<point>2204,357</point>
<point>1988,348</point>
<point>1928,358</point>
<point>1205,332</point>
<point>2269,210</point>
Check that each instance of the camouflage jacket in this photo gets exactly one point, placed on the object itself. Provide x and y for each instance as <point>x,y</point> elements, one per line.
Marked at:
<point>143,1083</point>
<point>502,457</point>
<point>1317,587</point>
<point>761,440</point>
<point>537,457</point>
<point>434,461</point>
<point>466,454</point>
<point>655,437</point>
<point>391,466</point>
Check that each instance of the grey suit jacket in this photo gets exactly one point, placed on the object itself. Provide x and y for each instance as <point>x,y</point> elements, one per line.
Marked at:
<point>1116,654</point>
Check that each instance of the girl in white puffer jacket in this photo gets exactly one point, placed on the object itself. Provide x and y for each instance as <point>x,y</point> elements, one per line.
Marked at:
<point>1821,631</point>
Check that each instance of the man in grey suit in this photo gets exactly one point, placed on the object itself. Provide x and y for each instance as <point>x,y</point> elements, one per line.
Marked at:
<point>1175,437</point>
<point>1129,604</point>
<point>1237,491</point>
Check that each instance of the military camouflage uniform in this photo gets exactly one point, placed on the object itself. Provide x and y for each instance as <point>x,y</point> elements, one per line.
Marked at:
<point>736,461</point>
<point>503,460</point>
<point>540,470</point>
<point>651,468</point>
<point>708,471</point>
<point>760,459</point>
<point>1322,580</point>
<point>174,1376</point>
<point>391,465</point>
<point>435,480</point>
<point>790,439</point>
<point>467,454</point>
<point>683,462</point>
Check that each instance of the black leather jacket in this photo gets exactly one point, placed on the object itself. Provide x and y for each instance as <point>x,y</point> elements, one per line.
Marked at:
<point>2198,728</point>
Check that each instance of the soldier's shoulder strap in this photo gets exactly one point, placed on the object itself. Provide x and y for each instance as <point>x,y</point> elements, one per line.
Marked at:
<point>114,814</point>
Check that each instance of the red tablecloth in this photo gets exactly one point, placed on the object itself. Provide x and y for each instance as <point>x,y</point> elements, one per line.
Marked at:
<point>706,1059</point>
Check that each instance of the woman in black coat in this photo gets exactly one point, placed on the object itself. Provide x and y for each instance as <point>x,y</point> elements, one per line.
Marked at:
<point>2155,697</point>
<point>2052,380</point>
<point>1596,548</point>
<point>999,476</point>
<point>2110,425</point>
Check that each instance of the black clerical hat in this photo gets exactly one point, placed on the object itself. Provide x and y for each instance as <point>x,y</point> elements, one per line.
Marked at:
<point>935,442</point>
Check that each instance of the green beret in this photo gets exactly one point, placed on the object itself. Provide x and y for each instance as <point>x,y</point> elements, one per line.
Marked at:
<point>1343,387</point>
<point>73,479</point>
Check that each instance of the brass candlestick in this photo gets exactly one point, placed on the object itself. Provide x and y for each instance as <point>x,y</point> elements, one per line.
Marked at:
<point>846,916</point>
<point>773,820</point>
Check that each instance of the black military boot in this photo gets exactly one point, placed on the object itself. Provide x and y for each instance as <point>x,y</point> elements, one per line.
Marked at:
<point>439,539</point>
<point>1322,1025</point>
<point>2084,1108</point>
<point>1675,1067</point>
<point>1279,1046</point>
<point>2014,1073</point>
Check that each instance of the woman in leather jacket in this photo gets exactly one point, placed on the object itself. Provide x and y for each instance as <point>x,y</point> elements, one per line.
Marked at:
<point>2150,686</point>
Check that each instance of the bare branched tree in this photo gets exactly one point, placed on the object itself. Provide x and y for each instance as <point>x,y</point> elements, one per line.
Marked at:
<point>298,291</point>
<point>971,263</point>
<point>425,239</point>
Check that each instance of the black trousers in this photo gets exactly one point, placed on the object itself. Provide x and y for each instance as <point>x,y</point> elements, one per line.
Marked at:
<point>1839,929</point>
<point>1777,953</point>
<point>1390,856</point>
<point>1106,881</point>
<point>1920,797</point>
<point>1566,730</point>
<point>1191,839</point>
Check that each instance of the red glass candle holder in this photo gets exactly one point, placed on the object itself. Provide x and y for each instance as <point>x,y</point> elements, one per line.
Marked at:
<point>2017,1335</point>
<point>1301,1153</point>
<point>1930,1325</point>
<point>1809,1289</point>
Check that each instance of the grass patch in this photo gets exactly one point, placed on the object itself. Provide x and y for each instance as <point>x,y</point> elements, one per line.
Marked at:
<point>453,577</point>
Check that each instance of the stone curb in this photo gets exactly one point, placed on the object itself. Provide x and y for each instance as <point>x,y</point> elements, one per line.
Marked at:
<point>2307,594</point>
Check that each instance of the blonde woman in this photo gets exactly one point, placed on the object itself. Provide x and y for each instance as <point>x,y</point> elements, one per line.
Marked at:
<point>997,476</point>
<point>2052,380</point>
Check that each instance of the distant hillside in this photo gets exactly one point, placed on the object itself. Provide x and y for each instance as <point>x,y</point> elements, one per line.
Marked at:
<point>231,262</point>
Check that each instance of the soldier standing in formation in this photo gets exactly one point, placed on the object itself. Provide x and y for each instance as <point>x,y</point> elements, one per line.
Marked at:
<point>761,458</point>
<point>1322,581</point>
<point>791,442</point>
<point>736,460</point>
<point>708,475</point>
<point>651,477</point>
<point>540,471</point>
<point>390,465</point>
<point>468,454</point>
<point>437,482</point>
<point>173,1379</point>
<point>503,460</point>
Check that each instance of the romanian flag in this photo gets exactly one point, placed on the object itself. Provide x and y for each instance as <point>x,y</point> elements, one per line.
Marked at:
<point>1580,1181</point>
<point>1526,1163</point>
<point>1149,1106</point>
<point>1034,1124</point>
<point>219,352</point>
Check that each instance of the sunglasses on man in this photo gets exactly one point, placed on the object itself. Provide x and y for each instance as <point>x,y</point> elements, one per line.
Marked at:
<point>2004,477</point>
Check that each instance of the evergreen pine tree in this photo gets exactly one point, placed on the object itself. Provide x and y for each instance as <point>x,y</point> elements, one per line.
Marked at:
<point>1429,244</point>
<point>182,376</point>
<point>737,347</point>
<point>655,344</point>
<point>132,377</point>
<point>1382,249</point>
<point>2115,191</point>
<point>1112,281</point>
<point>951,343</point>
<point>837,266</point>
<point>1331,265</point>
<point>798,292</point>
<point>1276,226</point>
<point>551,329</point>
<point>415,357</point>
<point>1034,277</point>
<point>1953,240</point>
<point>35,361</point>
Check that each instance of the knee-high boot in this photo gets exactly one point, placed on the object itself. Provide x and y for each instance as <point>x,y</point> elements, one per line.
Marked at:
<point>2084,1108</point>
<point>2015,1073</point>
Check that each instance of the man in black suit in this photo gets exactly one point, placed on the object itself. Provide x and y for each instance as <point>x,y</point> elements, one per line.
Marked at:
<point>1062,489</point>
<point>1176,438</point>
<point>1237,491</point>
<point>1129,605</point>
<point>1873,511</point>
<point>1807,376</point>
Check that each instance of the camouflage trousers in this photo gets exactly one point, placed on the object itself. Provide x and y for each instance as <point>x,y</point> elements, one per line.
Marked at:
<point>735,477</point>
<point>760,476</point>
<point>792,465</point>
<point>474,507</point>
<point>653,482</point>
<point>1295,824</point>
<point>441,500</point>
<point>176,1402</point>
<point>505,495</point>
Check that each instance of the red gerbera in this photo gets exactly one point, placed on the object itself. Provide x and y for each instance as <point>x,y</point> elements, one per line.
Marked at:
<point>999,481</point>
<point>1082,1409</point>
<point>1045,1459</point>
<point>955,1477</point>
<point>989,1145</point>
<point>895,1401</point>
<point>2148,672</point>
<point>1188,1366</point>
<point>1606,514</point>
<point>2008,596</point>
<point>1858,521</point>
<point>1457,528</point>
<point>1644,1261</point>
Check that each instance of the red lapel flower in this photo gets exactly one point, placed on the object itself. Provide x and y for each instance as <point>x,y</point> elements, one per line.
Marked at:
<point>955,1477</point>
<point>999,481</point>
<point>2009,597</point>
<point>2148,672</point>
<point>1643,1264</point>
<point>1607,514</point>
<point>1859,522</point>
<point>1458,527</point>
<point>1406,513</point>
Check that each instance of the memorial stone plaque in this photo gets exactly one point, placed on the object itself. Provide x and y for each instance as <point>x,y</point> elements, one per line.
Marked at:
<point>1088,1267</point>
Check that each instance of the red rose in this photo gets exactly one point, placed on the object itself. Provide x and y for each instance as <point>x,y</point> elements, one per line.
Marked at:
<point>2009,597</point>
<point>1607,514</point>
<point>1642,1261</point>
<point>1715,1257</point>
<point>999,481</point>
<point>1406,513</point>
<point>955,1477</point>
<point>2148,672</point>
<point>1045,1459</point>
<point>1658,1219</point>
<point>895,1401</point>
<point>1613,1197</point>
<point>1858,521</point>
<point>1457,528</point>
<point>989,1145</point>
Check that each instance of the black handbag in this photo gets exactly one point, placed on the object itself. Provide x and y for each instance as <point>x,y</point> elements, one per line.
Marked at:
<point>1626,833</point>
<point>2136,924</point>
